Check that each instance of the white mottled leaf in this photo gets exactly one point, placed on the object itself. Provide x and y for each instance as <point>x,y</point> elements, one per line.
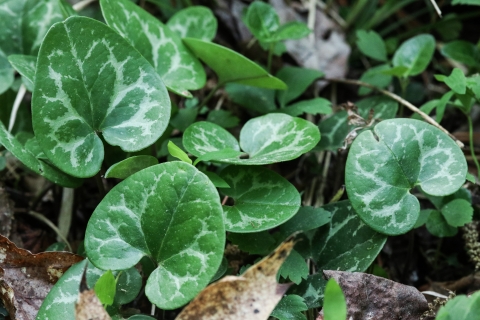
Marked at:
<point>170,212</point>
<point>164,49</point>
<point>263,199</point>
<point>266,139</point>
<point>405,153</point>
<point>194,22</point>
<point>90,81</point>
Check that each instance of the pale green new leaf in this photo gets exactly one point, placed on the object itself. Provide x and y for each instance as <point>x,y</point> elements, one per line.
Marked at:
<point>163,48</point>
<point>381,170</point>
<point>26,66</point>
<point>334,304</point>
<point>90,80</point>
<point>178,153</point>
<point>105,288</point>
<point>194,22</point>
<point>231,66</point>
<point>415,54</point>
<point>60,301</point>
<point>263,199</point>
<point>25,156</point>
<point>129,166</point>
<point>170,212</point>
<point>271,138</point>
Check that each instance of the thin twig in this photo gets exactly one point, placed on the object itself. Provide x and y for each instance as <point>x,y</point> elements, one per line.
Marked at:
<point>16,105</point>
<point>49,223</point>
<point>403,102</point>
<point>439,12</point>
<point>79,6</point>
<point>311,20</point>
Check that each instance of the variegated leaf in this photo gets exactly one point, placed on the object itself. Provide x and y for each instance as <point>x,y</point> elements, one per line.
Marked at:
<point>164,49</point>
<point>11,12</point>
<point>268,139</point>
<point>263,199</point>
<point>30,160</point>
<point>25,65</point>
<point>405,153</point>
<point>194,22</point>
<point>89,81</point>
<point>170,212</point>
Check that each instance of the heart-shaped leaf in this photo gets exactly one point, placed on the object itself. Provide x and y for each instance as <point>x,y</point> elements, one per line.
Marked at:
<point>25,65</point>
<point>262,20</point>
<point>129,166</point>
<point>231,66</point>
<point>415,54</point>
<point>333,250</point>
<point>170,212</point>
<point>437,225</point>
<point>164,49</point>
<point>60,301</point>
<point>194,22</point>
<point>31,160</point>
<point>6,73</point>
<point>263,199</point>
<point>381,171</point>
<point>297,80</point>
<point>90,80</point>
<point>268,139</point>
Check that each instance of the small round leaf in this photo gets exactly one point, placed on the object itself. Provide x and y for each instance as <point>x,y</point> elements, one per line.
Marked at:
<point>194,22</point>
<point>458,212</point>
<point>415,54</point>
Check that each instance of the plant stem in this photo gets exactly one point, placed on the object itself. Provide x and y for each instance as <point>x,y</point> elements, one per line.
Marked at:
<point>270,54</point>
<point>399,100</point>
<point>472,149</point>
<point>209,96</point>
<point>16,106</point>
<point>439,12</point>
<point>79,6</point>
<point>49,223</point>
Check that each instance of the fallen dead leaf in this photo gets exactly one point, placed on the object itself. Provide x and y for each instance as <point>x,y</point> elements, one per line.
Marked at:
<point>252,296</point>
<point>89,307</point>
<point>26,278</point>
<point>372,297</point>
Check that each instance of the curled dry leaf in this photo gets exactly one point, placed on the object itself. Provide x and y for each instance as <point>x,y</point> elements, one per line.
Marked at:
<point>89,307</point>
<point>251,296</point>
<point>26,278</point>
<point>372,297</point>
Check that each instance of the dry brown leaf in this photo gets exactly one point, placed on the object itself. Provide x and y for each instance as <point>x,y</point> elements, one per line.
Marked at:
<point>89,307</point>
<point>252,296</point>
<point>26,278</point>
<point>372,297</point>
<point>6,213</point>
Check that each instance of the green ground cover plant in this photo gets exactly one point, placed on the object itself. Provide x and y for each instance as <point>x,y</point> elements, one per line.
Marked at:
<point>124,97</point>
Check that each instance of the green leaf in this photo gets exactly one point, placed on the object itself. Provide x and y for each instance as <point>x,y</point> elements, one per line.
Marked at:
<point>457,81</point>
<point>60,301</point>
<point>290,308</point>
<point>375,77</point>
<point>422,218</point>
<point>267,139</point>
<point>372,45</point>
<point>297,80</point>
<point>313,106</point>
<point>183,118</point>
<point>262,20</point>
<point>461,308</point>
<point>438,226</point>
<point>332,249</point>
<point>294,268</point>
<point>6,73</point>
<point>334,130</point>
<point>216,180</point>
<point>261,243</point>
<point>219,155</point>
<point>141,317</point>
<point>469,2</point>
<point>90,80</point>
<point>105,288</point>
<point>259,100</point>
<point>291,30</point>
<point>11,14</point>
<point>33,163</point>
<point>458,212</point>
<point>178,153</point>
<point>231,66</point>
<point>263,199</point>
<point>383,107</point>
<point>398,71</point>
<point>170,212</point>
<point>194,22</point>
<point>415,54</point>
<point>462,51</point>
<point>334,304</point>
<point>25,65</point>
<point>223,118</point>
<point>381,171</point>
<point>307,218</point>
<point>129,166</point>
<point>157,43</point>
